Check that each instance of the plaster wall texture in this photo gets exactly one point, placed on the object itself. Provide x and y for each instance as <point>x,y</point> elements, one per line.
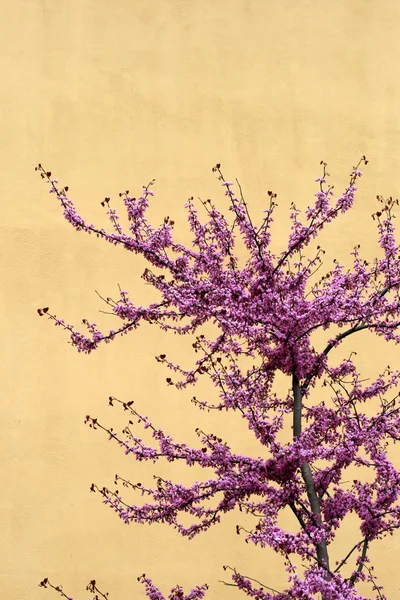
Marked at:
<point>108,95</point>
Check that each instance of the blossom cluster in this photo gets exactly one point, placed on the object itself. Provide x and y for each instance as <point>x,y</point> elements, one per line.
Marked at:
<point>265,311</point>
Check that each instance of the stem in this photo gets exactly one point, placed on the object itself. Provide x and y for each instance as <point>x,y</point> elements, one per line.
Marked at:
<point>321,547</point>
<point>361,564</point>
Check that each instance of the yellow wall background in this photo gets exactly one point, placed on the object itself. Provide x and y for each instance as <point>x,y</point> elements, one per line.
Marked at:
<point>108,95</point>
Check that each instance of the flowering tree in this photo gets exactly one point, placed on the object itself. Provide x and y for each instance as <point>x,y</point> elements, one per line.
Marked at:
<point>265,311</point>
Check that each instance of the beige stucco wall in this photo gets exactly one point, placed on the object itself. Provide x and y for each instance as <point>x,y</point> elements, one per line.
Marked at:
<point>108,95</point>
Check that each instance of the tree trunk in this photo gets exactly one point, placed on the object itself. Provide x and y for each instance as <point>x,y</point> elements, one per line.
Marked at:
<point>321,548</point>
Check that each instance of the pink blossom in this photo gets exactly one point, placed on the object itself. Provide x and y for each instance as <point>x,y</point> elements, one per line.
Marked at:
<point>266,310</point>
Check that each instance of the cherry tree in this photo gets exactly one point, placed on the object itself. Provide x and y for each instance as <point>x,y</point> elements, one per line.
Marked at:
<point>265,311</point>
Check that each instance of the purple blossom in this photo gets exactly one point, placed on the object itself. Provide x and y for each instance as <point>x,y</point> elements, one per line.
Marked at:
<point>266,311</point>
